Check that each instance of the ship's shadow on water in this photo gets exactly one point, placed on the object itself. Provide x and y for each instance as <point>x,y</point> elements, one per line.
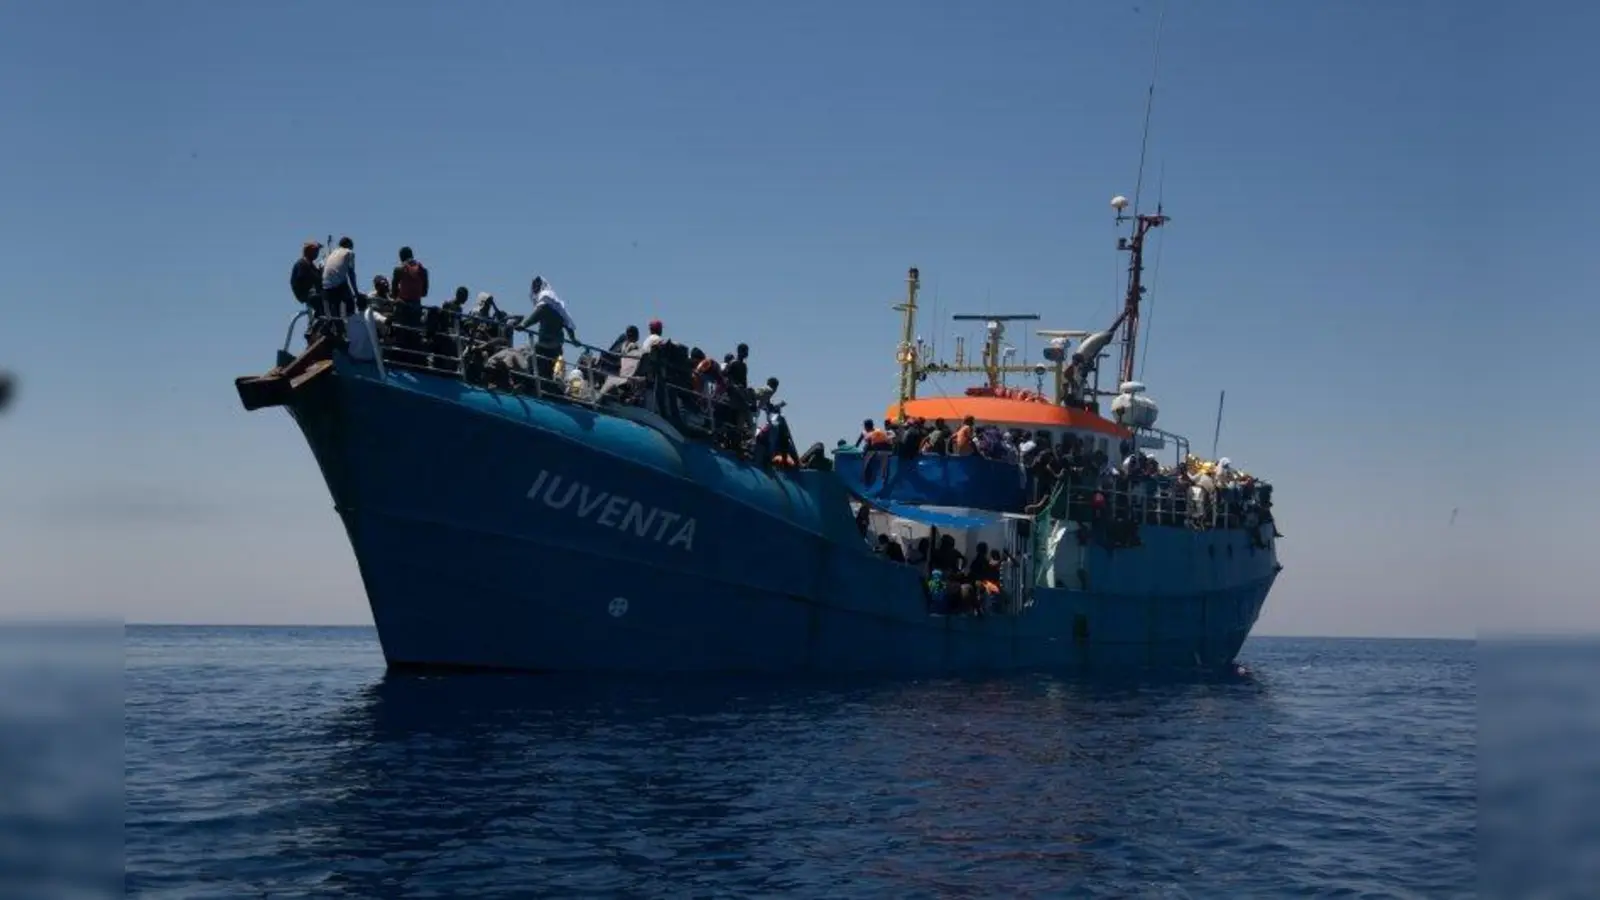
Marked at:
<point>554,783</point>
<point>286,765</point>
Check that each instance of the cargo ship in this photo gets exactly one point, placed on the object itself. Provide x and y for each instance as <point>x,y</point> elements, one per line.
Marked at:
<point>617,512</point>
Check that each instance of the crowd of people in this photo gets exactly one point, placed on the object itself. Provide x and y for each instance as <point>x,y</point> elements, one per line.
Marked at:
<point>1074,481</point>
<point>952,585</point>
<point>687,386</point>
<point>1196,492</point>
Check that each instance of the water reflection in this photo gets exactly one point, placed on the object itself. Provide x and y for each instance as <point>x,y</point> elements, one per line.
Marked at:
<point>511,783</point>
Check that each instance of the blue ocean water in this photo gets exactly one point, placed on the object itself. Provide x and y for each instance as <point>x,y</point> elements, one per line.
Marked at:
<point>283,763</point>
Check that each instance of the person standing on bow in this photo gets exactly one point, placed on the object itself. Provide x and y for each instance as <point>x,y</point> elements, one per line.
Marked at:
<point>339,280</point>
<point>550,318</point>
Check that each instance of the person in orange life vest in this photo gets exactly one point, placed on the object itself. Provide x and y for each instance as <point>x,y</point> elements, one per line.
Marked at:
<point>866,432</point>
<point>707,374</point>
<point>985,569</point>
<point>408,284</point>
<point>961,443</point>
<point>878,447</point>
<point>410,278</point>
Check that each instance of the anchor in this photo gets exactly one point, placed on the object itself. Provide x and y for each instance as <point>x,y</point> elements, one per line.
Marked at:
<point>279,384</point>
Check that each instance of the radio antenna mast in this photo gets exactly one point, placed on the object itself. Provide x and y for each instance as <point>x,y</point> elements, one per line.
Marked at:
<point>1142,223</point>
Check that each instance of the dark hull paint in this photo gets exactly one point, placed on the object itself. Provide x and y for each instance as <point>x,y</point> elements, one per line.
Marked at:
<point>601,571</point>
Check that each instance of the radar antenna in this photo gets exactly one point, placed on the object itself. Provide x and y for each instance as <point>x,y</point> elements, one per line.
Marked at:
<point>993,351</point>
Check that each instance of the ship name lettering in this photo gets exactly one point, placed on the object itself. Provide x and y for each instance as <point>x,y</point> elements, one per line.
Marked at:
<point>613,510</point>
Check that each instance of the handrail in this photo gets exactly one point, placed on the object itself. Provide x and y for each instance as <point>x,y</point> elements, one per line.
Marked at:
<point>1155,500</point>
<point>288,336</point>
<point>465,347</point>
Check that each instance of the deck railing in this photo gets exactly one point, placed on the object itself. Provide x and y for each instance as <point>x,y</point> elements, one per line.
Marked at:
<point>453,344</point>
<point>1157,500</point>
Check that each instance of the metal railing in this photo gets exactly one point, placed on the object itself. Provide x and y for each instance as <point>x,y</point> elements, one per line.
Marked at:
<point>1158,500</point>
<point>449,343</point>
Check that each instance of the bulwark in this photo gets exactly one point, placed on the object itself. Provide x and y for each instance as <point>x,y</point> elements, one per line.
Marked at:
<point>613,510</point>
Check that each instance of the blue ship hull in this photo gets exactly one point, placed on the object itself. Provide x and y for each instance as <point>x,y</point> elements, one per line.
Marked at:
<point>500,531</point>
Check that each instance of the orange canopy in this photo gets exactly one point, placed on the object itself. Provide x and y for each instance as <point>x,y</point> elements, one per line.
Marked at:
<point>1006,412</point>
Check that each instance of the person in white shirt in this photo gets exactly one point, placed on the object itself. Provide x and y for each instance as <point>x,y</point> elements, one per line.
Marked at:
<point>339,280</point>
<point>654,337</point>
<point>550,318</point>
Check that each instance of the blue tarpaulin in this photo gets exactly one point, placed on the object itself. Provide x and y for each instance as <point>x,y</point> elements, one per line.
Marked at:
<point>931,517</point>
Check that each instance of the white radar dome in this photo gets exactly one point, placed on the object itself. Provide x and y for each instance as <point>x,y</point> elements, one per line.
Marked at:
<point>1134,408</point>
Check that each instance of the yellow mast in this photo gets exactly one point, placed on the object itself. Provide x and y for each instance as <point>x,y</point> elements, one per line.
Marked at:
<point>907,355</point>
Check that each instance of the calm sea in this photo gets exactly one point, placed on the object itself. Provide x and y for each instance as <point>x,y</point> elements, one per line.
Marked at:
<point>283,763</point>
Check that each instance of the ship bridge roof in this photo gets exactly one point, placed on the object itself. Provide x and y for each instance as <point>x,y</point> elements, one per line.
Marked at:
<point>1007,411</point>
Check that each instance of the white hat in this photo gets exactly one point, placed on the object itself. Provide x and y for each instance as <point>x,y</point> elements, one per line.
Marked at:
<point>1224,462</point>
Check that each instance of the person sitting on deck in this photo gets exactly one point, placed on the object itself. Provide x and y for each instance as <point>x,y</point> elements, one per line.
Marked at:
<point>305,279</point>
<point>339,280</point>
<point>890,549</point>
<point>455,304</point>
<point>499,368</point>
<point>486,327</point>
<point>486,307</point>
<point>986,564</point>
<point>947,559</point>
<point>626,342</point>
<point>985,576</point>
<point>708,380</point>
<point>653,338</point>
<point>773,445</point>
<point>919,552</point>
<point>550,318</point>
<point>380,291</point>
<point>764,401</point>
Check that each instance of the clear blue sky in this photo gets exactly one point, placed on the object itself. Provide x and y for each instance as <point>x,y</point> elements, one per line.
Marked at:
<point>1363,195</point>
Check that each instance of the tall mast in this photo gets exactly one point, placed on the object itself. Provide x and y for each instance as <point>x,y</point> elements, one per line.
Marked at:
<point>1130,305</point>
<point>1142,222</point>
<point>906,356</point>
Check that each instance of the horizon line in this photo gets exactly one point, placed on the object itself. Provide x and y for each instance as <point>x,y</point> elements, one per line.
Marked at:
<point>1350,637</point>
